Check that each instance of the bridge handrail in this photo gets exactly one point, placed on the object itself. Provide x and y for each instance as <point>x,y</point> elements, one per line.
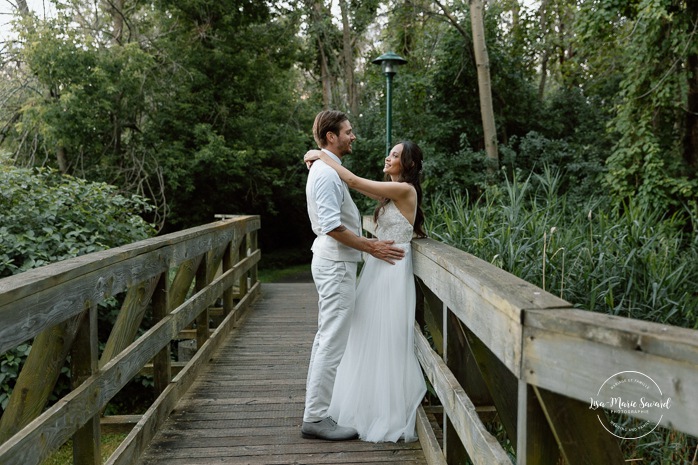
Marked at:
<point>56,306</point>
<point>538,357</point>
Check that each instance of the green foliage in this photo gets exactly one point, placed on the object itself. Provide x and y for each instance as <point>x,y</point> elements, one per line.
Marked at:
<point>632,261</point>
<point>10,365</point>
<point>46,217</point>
<point>651,43</point>
<point>94,99</point>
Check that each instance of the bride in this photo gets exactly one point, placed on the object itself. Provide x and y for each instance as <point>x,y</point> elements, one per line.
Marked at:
<point>379,383</point>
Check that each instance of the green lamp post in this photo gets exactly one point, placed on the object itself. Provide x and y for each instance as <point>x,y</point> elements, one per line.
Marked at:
<point>389,63</point>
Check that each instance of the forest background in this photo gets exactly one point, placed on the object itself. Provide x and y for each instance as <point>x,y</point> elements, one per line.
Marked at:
<point>166,113</point>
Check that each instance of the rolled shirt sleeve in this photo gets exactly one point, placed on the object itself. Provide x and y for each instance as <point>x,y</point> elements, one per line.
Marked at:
<point>329,196</point>
<point>329,206</point>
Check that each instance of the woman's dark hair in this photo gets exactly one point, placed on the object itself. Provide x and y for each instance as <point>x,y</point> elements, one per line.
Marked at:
<point>327,121</point>
<point>411,163</point>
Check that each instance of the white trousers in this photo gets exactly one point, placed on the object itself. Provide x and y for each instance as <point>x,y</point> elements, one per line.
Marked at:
<point>336,287</point>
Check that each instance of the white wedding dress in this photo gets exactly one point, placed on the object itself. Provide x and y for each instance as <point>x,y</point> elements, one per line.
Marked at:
<point>379,382</point>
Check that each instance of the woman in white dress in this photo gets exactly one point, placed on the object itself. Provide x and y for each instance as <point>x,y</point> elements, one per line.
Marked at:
<point>379,382</point>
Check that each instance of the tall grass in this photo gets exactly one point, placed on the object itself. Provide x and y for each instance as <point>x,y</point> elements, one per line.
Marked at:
<point>624,260</point>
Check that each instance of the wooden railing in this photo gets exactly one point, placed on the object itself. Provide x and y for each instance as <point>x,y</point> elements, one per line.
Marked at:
<point>55,308</point>
<point>501,347</point>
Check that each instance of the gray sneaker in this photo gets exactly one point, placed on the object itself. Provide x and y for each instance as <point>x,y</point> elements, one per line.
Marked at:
<point>327,429</point>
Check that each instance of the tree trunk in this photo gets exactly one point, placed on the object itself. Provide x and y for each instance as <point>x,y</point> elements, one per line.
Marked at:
<point>690,143</point>
<point>22,7</point>
<point>318,13</point>
<point>62,160</point>
<point>352,99</point>
<point>484,83</point>
<point>116,7</point>
<point>543,75</point>
<point>542,13</point>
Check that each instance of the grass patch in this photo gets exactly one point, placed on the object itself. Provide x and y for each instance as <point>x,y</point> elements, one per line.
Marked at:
<point>64,455</point>
<point>279,274</point>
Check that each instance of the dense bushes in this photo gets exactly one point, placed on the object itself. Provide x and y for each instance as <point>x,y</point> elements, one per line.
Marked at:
<point>46,217</point>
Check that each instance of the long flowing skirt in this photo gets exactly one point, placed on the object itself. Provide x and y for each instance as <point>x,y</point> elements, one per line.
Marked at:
<point>379,382</point>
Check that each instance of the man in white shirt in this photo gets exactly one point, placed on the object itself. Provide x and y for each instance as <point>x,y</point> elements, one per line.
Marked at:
<point>336,221</point>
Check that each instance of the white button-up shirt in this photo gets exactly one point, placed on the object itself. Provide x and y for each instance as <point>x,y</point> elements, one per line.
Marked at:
<point>329,206</point>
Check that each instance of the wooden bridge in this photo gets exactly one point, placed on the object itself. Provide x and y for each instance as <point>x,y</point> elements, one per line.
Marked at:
<point>512,369</point>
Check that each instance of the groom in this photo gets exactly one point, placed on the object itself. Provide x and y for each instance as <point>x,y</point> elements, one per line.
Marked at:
<point>337,249</point>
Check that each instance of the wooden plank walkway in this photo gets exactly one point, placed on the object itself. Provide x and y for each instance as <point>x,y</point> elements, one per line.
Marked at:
<point>247,406</point>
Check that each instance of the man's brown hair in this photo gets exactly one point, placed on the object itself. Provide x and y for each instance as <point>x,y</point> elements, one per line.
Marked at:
<point>327,121</point>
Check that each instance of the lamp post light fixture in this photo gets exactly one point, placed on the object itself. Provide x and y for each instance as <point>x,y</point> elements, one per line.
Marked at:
<point>389,63</point>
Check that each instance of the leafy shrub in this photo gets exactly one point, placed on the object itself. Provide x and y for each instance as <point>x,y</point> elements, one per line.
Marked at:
<point>46,217</point>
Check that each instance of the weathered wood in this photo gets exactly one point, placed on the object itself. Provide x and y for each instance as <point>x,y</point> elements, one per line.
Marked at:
<point>457,354</point>
<point>181,284</point>
<point>242,252</point>
<point>162,362</point>
<point>36,300</point>
<point>482,447</point>
<point>568,353</point>
<point>221,420</point>
<point>189,333</point>
<point>142,434</point>
<point>464,366</point>
<point>83,364</point>
<point>201,281</point>
<point>514,330</point>
<point>175,367</point>
<point>571,420</point>
<point>485,298</point>
<point>254,245</point>
<point>118,424</point>
<point>535,443</point>
<point>129,319</point>
<point>227,263</point>
<point>501,383</point>
<point>430,445</point>
<point>680,344</point>
<point>38,377</point>
<point>59,422</point>
<point>188,243</point>
<point>433,316</point>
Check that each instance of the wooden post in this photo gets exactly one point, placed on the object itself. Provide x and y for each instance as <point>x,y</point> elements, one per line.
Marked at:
<point>84,363</point>
<point>179,289</point>
<point>242,253</point>
<point>38,377</point>
<point>253,246</point>
<point>228,263</point>
<point>571,420</point>
<point>501,382</point>
<point>202,279</point>
<point>464,366</point>
<point>454,357</point>
<point>535,443</point>
<point>128,319</point>
<point>162,365</point>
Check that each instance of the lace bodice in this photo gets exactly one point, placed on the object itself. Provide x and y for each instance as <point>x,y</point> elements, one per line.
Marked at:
<point>392,225</point>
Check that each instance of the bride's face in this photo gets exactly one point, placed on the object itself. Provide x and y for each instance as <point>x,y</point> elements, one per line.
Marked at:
<point>393,165</point>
